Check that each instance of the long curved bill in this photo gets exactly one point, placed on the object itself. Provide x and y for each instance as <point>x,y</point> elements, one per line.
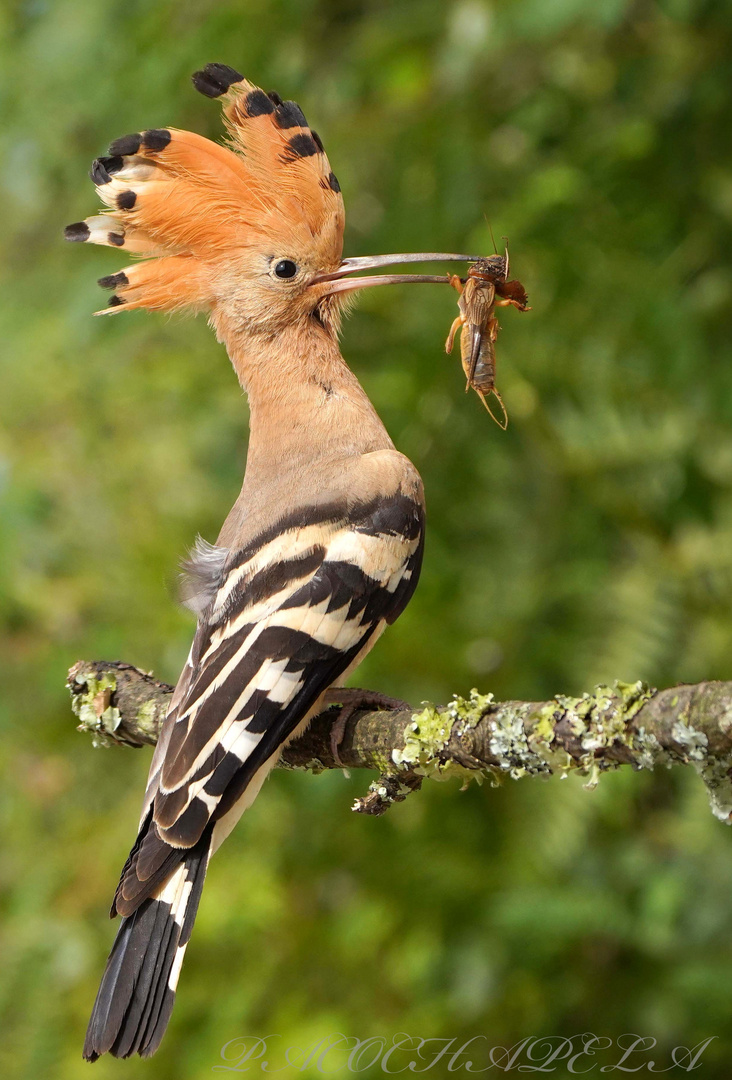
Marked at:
<point>339,280</point>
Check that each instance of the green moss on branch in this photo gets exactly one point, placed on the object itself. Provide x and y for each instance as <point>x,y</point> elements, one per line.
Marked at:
<point>628,724</point>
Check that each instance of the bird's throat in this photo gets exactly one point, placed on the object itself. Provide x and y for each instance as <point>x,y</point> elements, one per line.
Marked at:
<point>305,403</point>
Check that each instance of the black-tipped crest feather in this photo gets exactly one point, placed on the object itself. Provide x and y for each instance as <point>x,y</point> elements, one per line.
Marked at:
<point>215,79</point>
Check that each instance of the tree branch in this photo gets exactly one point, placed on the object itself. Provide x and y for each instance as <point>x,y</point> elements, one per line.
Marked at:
<point>471,738</point>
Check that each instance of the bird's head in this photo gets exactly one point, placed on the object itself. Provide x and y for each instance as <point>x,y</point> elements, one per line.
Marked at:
<point>251,233</point>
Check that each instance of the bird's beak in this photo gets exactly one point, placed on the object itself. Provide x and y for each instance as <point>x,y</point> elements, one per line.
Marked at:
<point>339,281</point>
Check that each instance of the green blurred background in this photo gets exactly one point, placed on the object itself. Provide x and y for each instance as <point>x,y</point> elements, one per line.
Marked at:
<point>591,541</point>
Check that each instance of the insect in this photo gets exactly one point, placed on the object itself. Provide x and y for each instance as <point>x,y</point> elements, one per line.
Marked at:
<point>485,288</point>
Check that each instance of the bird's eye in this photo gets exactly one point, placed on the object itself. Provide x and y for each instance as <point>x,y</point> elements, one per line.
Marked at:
<point>285,268</point>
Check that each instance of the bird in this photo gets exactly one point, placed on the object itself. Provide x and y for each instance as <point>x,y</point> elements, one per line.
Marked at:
<point>322,548</point>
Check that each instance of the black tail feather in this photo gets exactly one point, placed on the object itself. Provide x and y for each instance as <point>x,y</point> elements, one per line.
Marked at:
<point>152,983</point>
<point>136,994</point>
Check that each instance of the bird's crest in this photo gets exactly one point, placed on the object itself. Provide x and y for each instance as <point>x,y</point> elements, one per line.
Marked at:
<point>193,207</point>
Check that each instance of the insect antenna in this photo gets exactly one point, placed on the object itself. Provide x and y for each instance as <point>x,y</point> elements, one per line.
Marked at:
<point>490,230</point>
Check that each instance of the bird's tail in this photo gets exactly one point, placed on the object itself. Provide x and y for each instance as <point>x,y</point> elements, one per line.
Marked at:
<point>137,991</point>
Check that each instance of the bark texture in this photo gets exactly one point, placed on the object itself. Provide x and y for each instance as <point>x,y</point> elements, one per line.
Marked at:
<point>470,738</point>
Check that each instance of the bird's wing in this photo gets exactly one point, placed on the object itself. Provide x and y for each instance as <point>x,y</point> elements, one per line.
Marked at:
<point>292,612</point>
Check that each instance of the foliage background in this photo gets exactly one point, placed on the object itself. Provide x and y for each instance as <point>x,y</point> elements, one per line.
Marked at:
<point>592,541</point>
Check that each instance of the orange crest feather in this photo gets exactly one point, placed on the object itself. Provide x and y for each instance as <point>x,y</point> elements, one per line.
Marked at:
<point>190,204</point>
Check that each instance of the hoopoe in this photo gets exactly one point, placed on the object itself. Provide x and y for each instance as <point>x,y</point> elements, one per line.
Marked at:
<point>323,546</point>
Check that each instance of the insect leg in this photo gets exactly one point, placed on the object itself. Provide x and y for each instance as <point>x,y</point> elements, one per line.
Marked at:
<point>505,301</point>
<point>457,324</point>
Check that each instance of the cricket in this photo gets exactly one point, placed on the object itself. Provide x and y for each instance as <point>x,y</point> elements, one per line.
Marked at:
<point>485,288</point>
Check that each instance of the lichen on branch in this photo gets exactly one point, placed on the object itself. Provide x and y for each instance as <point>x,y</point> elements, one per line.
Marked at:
<point>473,738</point>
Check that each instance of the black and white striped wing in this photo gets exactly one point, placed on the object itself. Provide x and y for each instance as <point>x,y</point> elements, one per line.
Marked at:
<point>292,612</point>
